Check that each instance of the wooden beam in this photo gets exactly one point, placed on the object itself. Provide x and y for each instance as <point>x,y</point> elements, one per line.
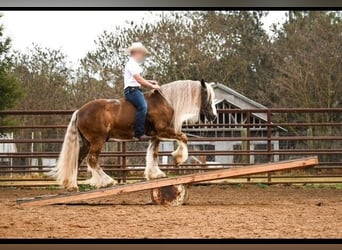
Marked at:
<point>192,178</point>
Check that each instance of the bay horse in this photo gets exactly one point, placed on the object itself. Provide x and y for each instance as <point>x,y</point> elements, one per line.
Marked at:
<point>97,121</point>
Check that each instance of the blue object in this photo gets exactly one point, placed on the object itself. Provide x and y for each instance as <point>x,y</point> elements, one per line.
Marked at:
<point>135,96</point>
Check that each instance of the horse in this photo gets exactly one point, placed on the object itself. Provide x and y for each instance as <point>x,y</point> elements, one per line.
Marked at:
<point>99,120</point>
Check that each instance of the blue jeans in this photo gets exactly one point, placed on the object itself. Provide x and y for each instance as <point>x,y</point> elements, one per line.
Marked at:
<point>136,97</point>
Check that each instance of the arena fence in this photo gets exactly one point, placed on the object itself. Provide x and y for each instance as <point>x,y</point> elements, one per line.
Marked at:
<point>30,142</point>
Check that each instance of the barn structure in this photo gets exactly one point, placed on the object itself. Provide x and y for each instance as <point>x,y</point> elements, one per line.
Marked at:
<point>229,125</point>
<point>7,148</point>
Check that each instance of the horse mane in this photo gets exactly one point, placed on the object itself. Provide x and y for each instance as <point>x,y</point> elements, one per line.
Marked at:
<point>185,98</point>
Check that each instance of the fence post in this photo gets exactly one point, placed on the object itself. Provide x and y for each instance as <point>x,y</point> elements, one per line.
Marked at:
<point>248,142</point>
<point>118,161</point>
<point>269,142</point>
<point>123,163</point>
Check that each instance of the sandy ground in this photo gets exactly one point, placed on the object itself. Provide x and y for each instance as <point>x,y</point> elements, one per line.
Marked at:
<point>212,212</point>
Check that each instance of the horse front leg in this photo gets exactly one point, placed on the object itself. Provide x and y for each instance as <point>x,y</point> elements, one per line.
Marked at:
<point>180,155</point>
<point>152,170</point>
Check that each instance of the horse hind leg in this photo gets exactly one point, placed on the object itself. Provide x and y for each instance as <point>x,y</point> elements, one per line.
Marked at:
<point>152,170</point>
<point>84,150</point>
<point>99,178</point>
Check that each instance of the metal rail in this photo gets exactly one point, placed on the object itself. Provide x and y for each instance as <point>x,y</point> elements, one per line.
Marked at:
<point>297,142</point>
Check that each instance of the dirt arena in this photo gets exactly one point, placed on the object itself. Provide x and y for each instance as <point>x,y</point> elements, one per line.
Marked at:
<point>212,212</point>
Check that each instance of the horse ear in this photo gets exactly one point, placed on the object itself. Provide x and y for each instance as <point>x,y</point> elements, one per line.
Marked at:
<point>203,84</point>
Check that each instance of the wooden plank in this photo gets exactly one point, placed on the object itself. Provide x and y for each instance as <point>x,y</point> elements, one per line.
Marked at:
<point>192,178</point>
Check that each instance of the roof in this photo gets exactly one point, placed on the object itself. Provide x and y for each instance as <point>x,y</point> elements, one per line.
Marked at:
<point>224,93</point>
<point>237,95</point>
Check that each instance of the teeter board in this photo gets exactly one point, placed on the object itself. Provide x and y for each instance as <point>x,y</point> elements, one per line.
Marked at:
<point>159,183</point>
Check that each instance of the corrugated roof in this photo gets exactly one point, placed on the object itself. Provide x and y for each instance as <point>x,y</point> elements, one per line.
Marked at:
<point>237,94</point>
<point>249,102</point>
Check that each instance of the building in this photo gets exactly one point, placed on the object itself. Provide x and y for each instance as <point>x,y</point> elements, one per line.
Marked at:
<point>6,148</point>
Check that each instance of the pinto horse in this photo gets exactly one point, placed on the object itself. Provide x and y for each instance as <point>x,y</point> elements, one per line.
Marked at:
<point>97,121</point>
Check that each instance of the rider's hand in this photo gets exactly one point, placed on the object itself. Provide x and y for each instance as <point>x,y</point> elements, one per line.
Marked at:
<point>154,82</point>
<point>156,87</point>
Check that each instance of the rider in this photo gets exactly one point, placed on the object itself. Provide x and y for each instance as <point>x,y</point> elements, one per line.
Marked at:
<point>133,82</point>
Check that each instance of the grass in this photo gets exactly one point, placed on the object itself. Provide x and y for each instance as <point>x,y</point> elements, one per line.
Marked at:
<point>85,187</point>
<point>172,175</point>
<point>262,185</point>
<point>239,185</point>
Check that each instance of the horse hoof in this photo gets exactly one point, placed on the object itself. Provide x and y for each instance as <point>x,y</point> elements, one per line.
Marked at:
<point>162,175</point>
<point>112,183</point>
<point>108,184</point>
<point>159,176</point>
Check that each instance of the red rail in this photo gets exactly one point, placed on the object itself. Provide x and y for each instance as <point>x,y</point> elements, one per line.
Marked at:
<point>293,139</point>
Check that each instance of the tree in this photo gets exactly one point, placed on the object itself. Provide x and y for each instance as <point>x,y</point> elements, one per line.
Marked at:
<point>45,77</point>
<point>86,89</point>
<point>308,62</point>
<point>227,47</point>
<point>10,91</point>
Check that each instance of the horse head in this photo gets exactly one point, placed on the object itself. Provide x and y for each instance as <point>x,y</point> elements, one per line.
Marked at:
<point>208,109</point>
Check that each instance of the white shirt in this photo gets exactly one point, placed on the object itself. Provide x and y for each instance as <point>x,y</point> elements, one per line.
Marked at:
<point>131,68</point>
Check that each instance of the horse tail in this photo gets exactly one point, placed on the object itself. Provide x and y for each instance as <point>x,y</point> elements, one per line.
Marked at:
<point>65,171</point>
